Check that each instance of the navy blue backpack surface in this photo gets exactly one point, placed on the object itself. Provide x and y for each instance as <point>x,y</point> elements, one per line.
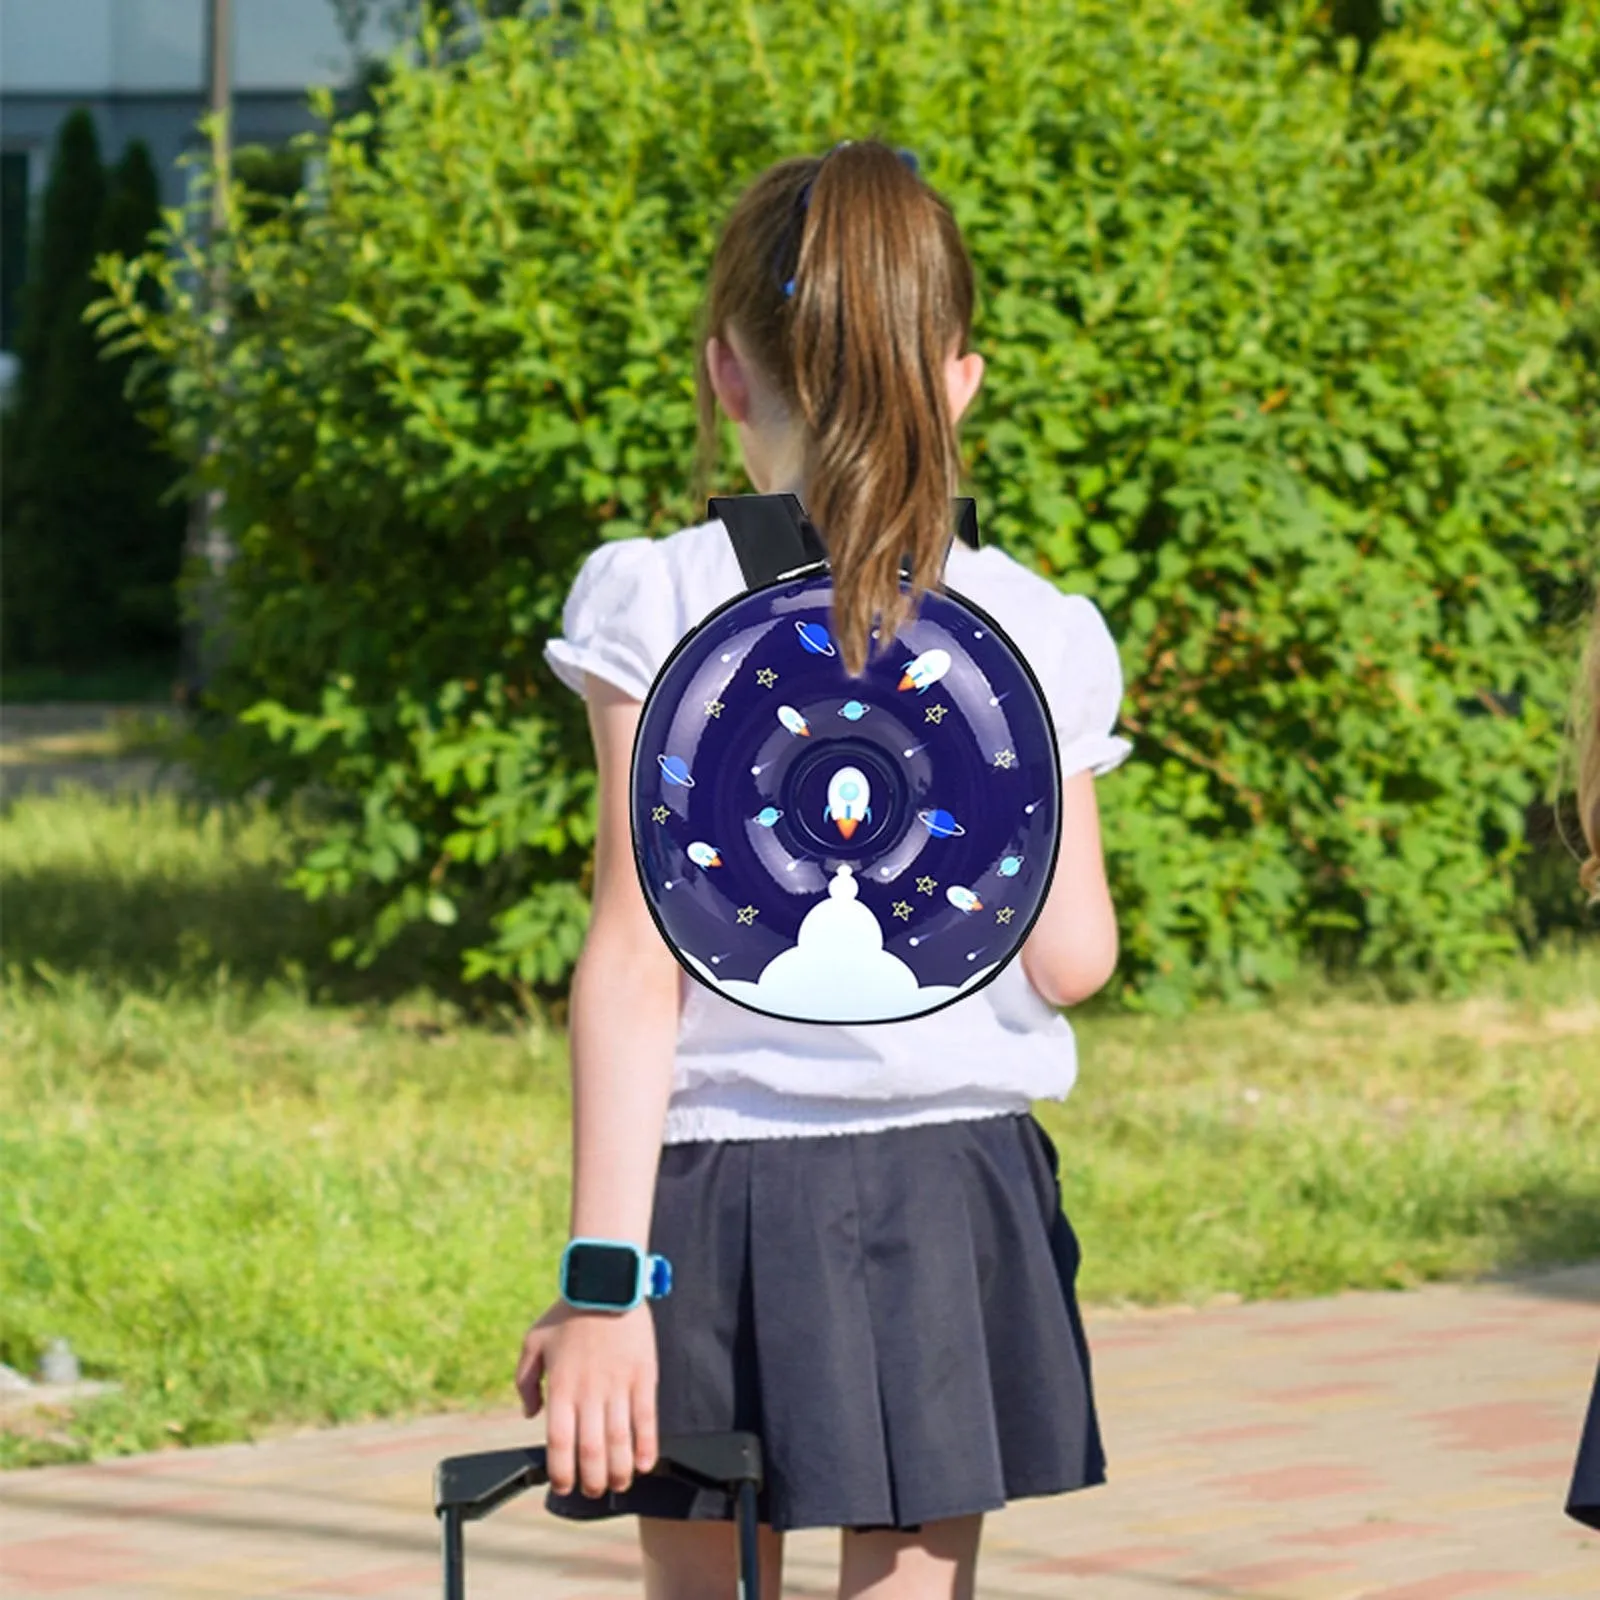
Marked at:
<point>831,848</point>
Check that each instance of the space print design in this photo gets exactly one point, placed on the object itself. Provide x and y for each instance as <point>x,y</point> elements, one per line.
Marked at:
<point>838,849</point>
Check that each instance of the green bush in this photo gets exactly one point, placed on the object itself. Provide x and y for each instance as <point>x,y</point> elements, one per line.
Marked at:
<point>1253,386</point>
<point>1526,70</point>
<point>1525,74</point>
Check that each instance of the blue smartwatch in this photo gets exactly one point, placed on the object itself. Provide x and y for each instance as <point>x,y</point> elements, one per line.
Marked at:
<point>603,1275</point>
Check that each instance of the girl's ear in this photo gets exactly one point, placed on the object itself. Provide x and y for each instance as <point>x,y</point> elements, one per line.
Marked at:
<point>729,381</point>
<point>962,375</point>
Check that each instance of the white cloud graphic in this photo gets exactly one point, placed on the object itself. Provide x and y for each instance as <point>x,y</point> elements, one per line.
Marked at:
<point>839,970</point>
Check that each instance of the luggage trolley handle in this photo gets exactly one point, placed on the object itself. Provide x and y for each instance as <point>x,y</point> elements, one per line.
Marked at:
<point>468,1488</point>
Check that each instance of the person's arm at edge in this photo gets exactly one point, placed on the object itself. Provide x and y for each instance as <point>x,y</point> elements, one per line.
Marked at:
<point>1071,951</point>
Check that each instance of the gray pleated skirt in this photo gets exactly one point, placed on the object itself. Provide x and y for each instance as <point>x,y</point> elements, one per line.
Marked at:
<point>893,1313</point>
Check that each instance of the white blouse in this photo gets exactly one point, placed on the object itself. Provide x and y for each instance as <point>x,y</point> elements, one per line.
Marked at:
<point>741,1075</point>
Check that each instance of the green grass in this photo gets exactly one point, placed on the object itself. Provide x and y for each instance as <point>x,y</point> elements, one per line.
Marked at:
<point>1329,1143</point>
<point>161,896</point>
<point>259,1192</point>
<point>247,1212</point>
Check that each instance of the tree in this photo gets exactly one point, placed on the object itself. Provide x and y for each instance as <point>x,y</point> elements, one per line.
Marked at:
<point>140,533</point>
<point>59,363</point>
<point>91,551</point>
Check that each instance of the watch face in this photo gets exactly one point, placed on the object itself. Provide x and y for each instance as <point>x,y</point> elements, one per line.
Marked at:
<point>602,1274</point>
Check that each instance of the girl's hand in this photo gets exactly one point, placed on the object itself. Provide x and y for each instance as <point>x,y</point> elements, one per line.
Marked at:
<point>600,1423</point>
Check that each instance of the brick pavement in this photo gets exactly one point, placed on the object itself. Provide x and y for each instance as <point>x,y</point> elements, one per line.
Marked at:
<point>1387,1447</point>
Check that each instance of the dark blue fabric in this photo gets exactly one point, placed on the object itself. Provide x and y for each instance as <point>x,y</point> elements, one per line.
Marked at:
<point>894,1313</point>
<point>1583,1502</point>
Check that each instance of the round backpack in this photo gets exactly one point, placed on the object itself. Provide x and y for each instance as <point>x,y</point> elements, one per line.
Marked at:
<point>831,848</point>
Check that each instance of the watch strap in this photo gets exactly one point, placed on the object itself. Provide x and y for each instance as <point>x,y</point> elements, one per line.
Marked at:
<point>658,1277</point>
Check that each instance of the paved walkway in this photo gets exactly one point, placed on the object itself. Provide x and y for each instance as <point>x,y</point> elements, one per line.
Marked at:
<point>1387,1447</point>
<point>46,747</point>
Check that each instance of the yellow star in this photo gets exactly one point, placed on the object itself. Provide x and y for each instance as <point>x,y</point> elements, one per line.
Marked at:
<point>1004,914</point>
<point>766,677</point>
<point>902,910</point>
<point>661,813</point>
<point>747,915</point>
<point>713,708</point>
<point>936,714</point>
<point>927,885</point>
<point>1006,759</point>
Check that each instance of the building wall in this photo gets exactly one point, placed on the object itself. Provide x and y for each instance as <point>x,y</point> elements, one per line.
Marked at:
<point>139,67</point>
<point>90,47</point>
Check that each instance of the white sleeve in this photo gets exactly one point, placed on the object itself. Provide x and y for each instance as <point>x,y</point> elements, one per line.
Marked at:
<point>619,620</point>
<point>1083,685</point>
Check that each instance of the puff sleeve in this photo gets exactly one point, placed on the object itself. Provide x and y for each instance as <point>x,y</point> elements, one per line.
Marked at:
<point>619,622</point>
<point>1082,681</point>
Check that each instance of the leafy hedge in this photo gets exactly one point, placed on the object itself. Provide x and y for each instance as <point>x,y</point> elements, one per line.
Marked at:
<point>1253,385</point>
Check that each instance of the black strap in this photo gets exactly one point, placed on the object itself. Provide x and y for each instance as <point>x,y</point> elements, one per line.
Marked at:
<point>771,534</point>
<point>967,522</point>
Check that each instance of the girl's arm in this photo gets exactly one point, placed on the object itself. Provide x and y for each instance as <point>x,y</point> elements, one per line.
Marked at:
<point>1072,950</point>
<point>624,1010</point>
<point>600,1367</point>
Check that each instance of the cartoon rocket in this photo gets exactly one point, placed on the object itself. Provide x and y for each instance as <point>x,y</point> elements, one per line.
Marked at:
<point>849,800</point>
<point>793,721</point>
<point>704,855</point>
<point>925,671</point>
<point>963,899</point>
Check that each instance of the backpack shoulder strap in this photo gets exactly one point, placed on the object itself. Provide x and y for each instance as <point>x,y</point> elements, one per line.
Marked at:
<point>771,534</point>
<point>967,522</point>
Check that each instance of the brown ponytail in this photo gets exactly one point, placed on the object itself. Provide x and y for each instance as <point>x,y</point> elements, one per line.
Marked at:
<point>881,297</point>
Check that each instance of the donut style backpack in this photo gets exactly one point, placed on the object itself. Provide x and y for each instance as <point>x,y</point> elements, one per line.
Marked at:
<point>835,849</point>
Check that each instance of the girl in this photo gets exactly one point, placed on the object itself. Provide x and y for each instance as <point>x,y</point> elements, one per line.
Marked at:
<point>1583,1501</point>
<point>880,1284</point>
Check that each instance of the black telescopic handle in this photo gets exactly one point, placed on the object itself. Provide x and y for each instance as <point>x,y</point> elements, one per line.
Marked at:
<point>467,1488</point>
<point>749,1547</point>
<point>455,1561</point>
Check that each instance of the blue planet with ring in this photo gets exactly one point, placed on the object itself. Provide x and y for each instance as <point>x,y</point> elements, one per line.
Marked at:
<point>767,816</point>
<point>676,770</point>
<point>941,824</point>
<point>815,638</point>
<point>1010,866</point>
<point>853,710</point>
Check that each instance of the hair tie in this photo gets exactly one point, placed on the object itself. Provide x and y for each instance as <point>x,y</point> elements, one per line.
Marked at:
<point>908,160</point>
